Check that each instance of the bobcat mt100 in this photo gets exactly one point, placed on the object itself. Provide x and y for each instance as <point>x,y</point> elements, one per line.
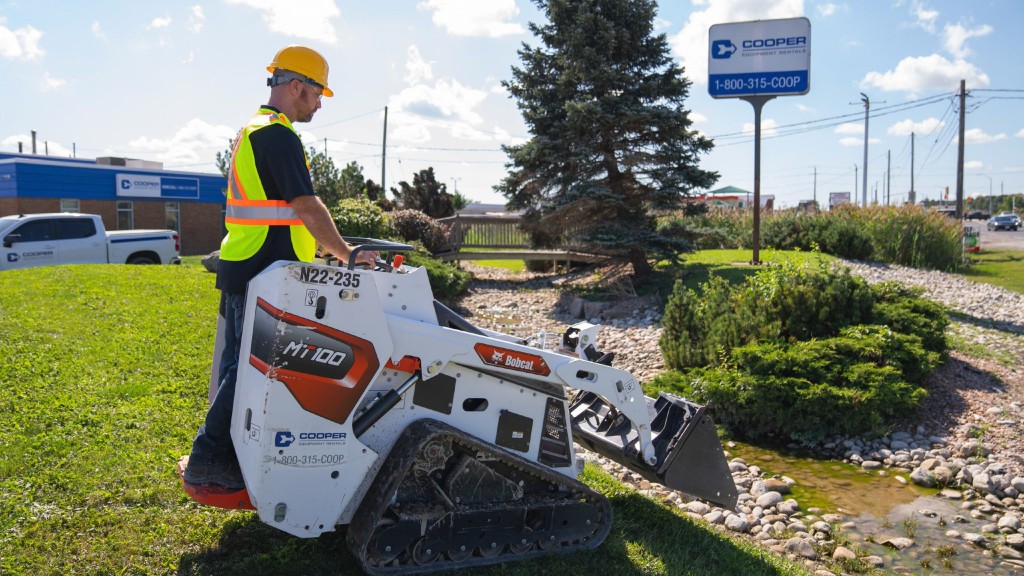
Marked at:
<point>363,401</point>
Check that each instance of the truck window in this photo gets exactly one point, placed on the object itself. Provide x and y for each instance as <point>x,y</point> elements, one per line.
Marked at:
<point>35,231</point>
<point>72,228</point>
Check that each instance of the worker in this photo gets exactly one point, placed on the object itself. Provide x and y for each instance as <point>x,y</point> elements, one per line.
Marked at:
<point>272,214</point>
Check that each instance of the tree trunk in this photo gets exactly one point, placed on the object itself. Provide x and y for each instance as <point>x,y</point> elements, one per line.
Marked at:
<point>642,270</point>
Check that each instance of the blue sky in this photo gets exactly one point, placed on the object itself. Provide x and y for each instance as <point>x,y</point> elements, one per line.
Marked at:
<point>173,81</point>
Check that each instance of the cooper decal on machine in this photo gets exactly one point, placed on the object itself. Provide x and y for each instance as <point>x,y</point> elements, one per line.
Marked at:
<point>326,370</point>
<point>511,359</point>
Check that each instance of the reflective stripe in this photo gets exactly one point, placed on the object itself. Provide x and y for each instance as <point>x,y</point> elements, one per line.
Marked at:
<point>255,214</point>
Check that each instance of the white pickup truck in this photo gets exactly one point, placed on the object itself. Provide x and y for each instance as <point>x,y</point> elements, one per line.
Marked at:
<point>44,239</point>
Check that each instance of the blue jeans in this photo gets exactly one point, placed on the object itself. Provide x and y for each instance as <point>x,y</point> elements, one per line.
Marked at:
<point>213,441</point>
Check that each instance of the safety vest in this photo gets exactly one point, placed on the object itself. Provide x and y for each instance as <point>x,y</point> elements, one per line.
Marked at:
<point>249,213</point>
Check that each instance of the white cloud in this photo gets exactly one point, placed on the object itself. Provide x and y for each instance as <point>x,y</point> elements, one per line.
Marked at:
<point>925,17</point>
<point>446,105</point>
<point>978,136</point>
<point>50,83</point>
<point>698,118</point>
<point>474,18</point>
<point>1020,134</point>
<point>851,141</point>
<point>417,69</point>
<point>850,128</point>
<point>311,20</point>
<point>908,127</point>
<point>20,44</point>
<point>156,23</point>
<point>956,36</point>
<point>690,45</point>
<point>768,127</point>
<point>97,31</point>
<point>827,9</point>
<point>446,100</point>
<point>974,165</point>
<point>196,19</point>
<point>661,24</point>
<point>926,73</point>
<point>195,142</point>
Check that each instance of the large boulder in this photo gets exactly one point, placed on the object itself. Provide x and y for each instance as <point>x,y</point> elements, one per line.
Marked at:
<point>210,261</point>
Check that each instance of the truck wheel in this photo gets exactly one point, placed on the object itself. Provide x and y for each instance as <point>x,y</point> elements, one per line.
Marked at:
<point>141,259</point>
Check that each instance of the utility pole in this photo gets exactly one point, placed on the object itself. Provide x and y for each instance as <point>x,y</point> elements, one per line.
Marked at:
<point>989,192</point>
<point>960,153</point>
<point>888,176</point>
<point>815,187</point>
<point>867,106</point>
<point>913,195</point>
<point>854,183</point>
<point>384,155</point>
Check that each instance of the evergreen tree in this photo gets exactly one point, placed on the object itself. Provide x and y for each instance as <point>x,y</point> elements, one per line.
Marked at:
<point>426,195</point>
<point>326,177</point>
<point>353,184</point>
<point>612,142</point>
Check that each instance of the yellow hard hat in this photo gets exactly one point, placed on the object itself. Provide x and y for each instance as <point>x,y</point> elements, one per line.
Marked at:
<point>305,61</point>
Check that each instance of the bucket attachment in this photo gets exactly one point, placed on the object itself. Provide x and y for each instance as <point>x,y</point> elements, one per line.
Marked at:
<point>689,455</point>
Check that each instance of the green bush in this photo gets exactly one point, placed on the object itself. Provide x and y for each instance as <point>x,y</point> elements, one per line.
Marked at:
<point>413,225</point>
<point>851,384</point>
<point>780,303</point>
<point>801,352</point>
<point>446,280</point>
<point>361,217</point>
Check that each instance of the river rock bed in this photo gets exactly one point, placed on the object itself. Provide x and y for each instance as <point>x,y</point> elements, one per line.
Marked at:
<point>967,440</point>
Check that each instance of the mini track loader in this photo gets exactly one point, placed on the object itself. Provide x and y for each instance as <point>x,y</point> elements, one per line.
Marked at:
<point>363,401</point>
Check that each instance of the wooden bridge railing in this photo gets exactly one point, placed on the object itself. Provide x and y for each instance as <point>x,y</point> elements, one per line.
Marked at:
<point>501,237</point>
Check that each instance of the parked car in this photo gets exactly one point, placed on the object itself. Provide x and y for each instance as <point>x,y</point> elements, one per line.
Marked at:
<point>43,239</point>
<point>978,215</point>
<point>1003,222</point>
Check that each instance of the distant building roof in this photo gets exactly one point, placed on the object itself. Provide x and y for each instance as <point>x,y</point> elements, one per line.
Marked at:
<point>479,209</point>
<point>729,191</point>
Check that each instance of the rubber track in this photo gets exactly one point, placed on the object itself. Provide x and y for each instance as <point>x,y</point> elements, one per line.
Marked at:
<point>399,463</point>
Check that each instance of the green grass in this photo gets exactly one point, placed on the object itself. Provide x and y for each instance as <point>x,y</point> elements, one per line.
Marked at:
<point>1004,268</point>
<point>734,265</point>
<point>104,373</point>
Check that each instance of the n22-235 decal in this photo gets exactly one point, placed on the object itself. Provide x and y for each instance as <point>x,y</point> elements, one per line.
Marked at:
<point>327,276</point>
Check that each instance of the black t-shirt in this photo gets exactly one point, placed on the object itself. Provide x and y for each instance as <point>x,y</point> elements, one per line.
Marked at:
<point>281,165</point>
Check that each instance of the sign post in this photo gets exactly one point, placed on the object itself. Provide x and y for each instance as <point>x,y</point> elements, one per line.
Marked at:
<point>758,61</point>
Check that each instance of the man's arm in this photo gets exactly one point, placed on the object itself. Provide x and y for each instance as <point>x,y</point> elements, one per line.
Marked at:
<point>318,220</point>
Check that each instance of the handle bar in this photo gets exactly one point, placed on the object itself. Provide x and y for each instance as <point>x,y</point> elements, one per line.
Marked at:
<point>361,244</point>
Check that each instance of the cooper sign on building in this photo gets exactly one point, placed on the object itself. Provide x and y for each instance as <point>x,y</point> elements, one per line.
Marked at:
<point>759,58</point>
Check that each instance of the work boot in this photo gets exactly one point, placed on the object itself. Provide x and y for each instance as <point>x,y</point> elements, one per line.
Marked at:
<point>219,472</point>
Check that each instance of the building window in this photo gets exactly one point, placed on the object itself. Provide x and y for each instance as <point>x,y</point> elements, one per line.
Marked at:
<point>171,220</point>
<point>125,215</point>
<point>70,205</point>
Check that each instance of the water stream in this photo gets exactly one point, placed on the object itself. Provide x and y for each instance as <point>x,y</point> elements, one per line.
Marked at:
<point>877,507</point>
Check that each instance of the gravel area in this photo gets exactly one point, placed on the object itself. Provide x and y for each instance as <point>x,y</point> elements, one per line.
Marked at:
<point>975,407</point>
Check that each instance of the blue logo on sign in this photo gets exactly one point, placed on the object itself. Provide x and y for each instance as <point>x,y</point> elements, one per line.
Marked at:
<point>722,49</point>
<point>12,257</point>
<point>283,439</point>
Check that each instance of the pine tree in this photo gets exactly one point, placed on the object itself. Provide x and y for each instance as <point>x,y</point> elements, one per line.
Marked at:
<point>611,141</point>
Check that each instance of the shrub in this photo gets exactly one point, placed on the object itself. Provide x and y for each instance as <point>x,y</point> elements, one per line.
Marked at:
<point>361,217</point>
<point>801,352</point>
<point>850,384</point>
<point>413,225</point>
<point>780,303</point>
<point>446,280</point>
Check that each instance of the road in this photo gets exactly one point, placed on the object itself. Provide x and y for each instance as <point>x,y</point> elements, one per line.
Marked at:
<point>1001,239</point>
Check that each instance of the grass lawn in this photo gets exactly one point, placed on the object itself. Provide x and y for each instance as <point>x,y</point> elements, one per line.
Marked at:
<point>1003,268</point>
<point>734,265</point>
<point>104,372</point>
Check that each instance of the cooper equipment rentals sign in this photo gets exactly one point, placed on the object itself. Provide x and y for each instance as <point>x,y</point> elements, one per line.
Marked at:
<point>148,186</point>
<point>759,58</point>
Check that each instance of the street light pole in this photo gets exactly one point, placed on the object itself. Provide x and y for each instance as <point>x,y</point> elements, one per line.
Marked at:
<point>989,193</point>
